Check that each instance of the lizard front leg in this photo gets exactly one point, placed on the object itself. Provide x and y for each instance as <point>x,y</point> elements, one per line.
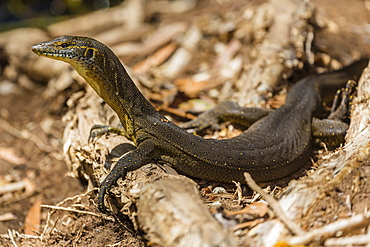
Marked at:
<point>128,162</point>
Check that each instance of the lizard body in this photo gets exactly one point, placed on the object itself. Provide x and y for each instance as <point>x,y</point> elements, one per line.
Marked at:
<point>273,147</point>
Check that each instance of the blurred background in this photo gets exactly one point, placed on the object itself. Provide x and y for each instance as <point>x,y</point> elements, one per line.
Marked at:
<point>40,13</point>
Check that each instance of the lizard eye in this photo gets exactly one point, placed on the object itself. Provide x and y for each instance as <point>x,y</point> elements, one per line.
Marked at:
<point>89,53</point>
<point>64,45</point>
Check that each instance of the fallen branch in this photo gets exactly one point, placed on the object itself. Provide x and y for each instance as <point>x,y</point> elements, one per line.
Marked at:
<point>279,50</point>
<point>329,230</point>
<point>349,241</point>
<point>172,213</point>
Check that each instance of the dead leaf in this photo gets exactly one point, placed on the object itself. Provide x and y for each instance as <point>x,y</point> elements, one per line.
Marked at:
<point>156,59</point>
<point>190,87</point>
<point>33,218</point>
<point>257,208</point>
<point>196,105</point>
<point>248,224</point>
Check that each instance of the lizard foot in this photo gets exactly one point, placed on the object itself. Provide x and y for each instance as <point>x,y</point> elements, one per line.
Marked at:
<point>99,130</point>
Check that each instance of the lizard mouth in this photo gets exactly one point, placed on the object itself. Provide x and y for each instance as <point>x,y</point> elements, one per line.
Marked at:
<point>41,49</point>
<point>46,50</point>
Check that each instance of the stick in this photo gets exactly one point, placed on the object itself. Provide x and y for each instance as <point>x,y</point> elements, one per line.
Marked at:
<point>292,226</point>
<point>72,210</point>
<point>329,230</point>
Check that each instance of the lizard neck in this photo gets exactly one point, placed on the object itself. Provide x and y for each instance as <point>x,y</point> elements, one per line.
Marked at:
<point>118,90</point>
<point>108,77</point>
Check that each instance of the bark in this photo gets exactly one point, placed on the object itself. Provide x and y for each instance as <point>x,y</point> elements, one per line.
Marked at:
<point>280,49</point>
<point>172,213</point>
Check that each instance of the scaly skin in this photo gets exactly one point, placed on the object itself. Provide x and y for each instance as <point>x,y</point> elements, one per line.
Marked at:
<point>272,148</point>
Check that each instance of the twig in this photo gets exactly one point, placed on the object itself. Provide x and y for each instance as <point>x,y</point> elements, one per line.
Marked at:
<point>292,226</point>
<point>308,46</point>
<point>238,192</point>
<point>71,210</point>
<point>78,235</point>
<point>116,244</point>
<point>45,232</point>
<point>52,227</point>
<point>12,238</point>
<point>11,234</point>
<point>331,229</point>
<point>12,187</point>
<point>7,216</point>
<point>348,241</point>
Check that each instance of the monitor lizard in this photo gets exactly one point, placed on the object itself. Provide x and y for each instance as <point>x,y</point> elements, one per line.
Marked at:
<point>276,145</point>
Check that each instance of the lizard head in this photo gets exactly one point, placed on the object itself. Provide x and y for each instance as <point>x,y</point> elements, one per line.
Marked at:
<point>92,59</point>
<point>69,49</point>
